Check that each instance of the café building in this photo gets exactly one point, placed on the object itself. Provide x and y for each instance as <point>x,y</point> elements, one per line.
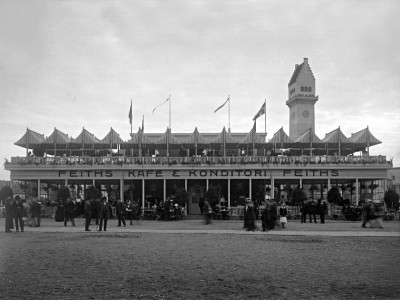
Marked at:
<point>151,167</point>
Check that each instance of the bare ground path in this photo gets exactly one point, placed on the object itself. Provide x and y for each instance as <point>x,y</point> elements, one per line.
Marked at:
<point>183,260</point>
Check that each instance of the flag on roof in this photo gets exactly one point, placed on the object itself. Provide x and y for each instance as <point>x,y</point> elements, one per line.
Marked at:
<point>130,114</point>
<point>222,105</point>
<point>260,112</point>
<point>161,104</point>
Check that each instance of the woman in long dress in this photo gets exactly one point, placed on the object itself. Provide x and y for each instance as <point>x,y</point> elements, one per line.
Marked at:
<point>9,215</point>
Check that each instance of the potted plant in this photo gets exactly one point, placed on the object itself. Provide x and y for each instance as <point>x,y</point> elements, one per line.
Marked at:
<point>372,187</point>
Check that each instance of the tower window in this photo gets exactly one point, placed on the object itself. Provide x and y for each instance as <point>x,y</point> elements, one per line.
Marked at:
<point>302,89</point>
<point>309,89</point>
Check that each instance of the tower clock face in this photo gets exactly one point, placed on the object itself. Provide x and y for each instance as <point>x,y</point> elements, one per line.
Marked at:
<point>306,113</point>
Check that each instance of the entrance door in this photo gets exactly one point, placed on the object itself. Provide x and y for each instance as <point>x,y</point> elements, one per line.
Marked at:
<point>194,199</point>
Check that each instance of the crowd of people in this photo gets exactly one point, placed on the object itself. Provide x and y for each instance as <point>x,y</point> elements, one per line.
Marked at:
<point>313,208</point>
<point>18,210</point>
<point>20,213</point>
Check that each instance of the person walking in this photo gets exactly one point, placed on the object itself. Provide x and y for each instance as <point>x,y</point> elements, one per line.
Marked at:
<point>121,211</point>
<point>9,215</point>
<point>368,212</point>
<point>35,212</point>
<point>18,213</point>
<point>87,212</point>
<point>104,213</point>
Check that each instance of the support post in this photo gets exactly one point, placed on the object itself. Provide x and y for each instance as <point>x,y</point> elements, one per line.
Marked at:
<point>121,189</point>
<point>250,188</point>
<point>357,192</point>
<point>229,193</point>
<point>143,196</point>
<point>273,188</point>
<point>38,189</point>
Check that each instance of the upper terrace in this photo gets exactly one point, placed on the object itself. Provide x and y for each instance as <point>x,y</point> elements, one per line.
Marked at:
<point>198,161</point>
<point>195,149</point>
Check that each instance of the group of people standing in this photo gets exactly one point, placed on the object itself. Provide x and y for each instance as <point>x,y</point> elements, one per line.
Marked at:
<point>312,208</point>
<point>18,210</point>
<point>102,212</point>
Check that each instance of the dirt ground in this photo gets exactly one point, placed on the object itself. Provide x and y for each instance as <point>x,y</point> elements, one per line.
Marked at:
<point>121,264</point>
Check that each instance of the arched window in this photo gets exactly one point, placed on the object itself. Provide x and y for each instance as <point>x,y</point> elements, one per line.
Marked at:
<point>309,89</point>
<point>302,89</point>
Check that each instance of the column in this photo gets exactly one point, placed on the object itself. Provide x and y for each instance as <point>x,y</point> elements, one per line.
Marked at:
<point>121,189</point>
<point>329,184</point>
<point>66,182</point>
<point>38,189</point>
<point>357,193</point>
<point>186,206</point>
<point>301,182</point>
<point>93,182</point>
<point>143,196</point>
<point>207,186</point>
<point>165,189</point>
<point>229,193</point>
<point>250,188</point>
<point>273,188</point>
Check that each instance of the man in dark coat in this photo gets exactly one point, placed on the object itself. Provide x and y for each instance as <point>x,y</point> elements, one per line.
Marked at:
<point>18,213</point>
<point>95,205</point>
<point>87,212</point>
<point>104,213</point>
<point>69,212</point>
<point>273,214</point>
<point>312,209</point>
<point>265,215</point>
<point>9,215</point>
<point>303,210</point>
<point>250,215</point>
<point>121,211</point>
<point>322,210</point>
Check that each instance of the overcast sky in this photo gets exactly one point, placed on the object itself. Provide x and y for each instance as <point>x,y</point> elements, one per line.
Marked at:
<point>74,64</point>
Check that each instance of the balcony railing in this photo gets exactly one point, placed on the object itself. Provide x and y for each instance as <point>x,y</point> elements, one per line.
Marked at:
<point>198,160</point>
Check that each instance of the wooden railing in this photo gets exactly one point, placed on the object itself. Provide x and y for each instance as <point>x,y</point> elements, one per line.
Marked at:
<point>204,161</point>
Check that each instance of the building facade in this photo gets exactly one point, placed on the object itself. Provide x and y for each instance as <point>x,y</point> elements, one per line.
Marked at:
<point>155,166</point>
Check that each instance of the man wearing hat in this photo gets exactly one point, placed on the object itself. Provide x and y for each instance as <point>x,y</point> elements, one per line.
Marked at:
<point>87,211</point>
<point>104,213</point>
<point>18,213</point>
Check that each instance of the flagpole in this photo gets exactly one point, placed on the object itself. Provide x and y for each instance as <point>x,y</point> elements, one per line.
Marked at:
<point>131,117</point>
<point>229,114</point>
<point>169,111</point>
<point>265,116</point>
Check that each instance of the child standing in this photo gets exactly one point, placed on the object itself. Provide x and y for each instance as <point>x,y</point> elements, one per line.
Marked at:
<point>283,214</point>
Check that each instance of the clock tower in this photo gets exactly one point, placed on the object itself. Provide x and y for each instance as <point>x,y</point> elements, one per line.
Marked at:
<point>301,93</point>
